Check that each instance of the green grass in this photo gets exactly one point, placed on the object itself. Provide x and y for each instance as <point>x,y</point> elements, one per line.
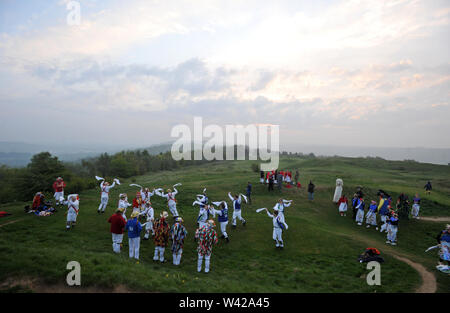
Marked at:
<point>321,247</point>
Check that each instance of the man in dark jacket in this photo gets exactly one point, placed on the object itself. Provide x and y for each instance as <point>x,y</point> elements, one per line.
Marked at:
<point>311,187</point>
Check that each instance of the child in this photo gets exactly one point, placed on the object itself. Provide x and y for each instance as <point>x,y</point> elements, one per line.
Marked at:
<point>161,236</point>
<point>360,211</point>
<point>73,204</point>
<point>343,205</point>
<point>392,230</point>
<point>207,237</point>
<point>237,214</point>
<point>371,217</point>
<point>177,234</point>
<point>134,229</point>
<point>416,207</point>
<point>278,226</point>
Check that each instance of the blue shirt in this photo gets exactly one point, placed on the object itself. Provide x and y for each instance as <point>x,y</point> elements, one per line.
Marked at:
<point>134,228</point>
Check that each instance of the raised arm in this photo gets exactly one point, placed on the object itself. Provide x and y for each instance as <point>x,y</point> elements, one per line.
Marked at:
<point>230,196</point>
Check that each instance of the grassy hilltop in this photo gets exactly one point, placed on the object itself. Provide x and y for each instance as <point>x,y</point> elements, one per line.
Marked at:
<point>320,246</point>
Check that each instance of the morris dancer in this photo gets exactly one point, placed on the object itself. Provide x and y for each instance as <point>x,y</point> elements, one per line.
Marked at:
<point>105,187</point>
<point>138,203</point>
<point>207,237</point>
<point>117,225</point>
<point>383,209</point>
<point>203,215</point>
<point>171,201</point>
<point>281,205</point>
<point>237,209</point>
<point>443,240</point>
<point>278,225</point>
<point>177,234</point>
<point>360,211</point>
<point>149,214</point>
<point>223,217</point>
<point>58,187</point>
<point>343,205</point>
<point>73,204</point>
<point>392,230</point>
<point>123,204</point>
<point>161,237</point>
<point>146,194</point>
<point>371,216</point>
<point>134,227</point>
<point>416,207</point>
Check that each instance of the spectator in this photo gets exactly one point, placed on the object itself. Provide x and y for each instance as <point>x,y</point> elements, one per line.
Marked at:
<point>249,193</point>
<point>311,187</point>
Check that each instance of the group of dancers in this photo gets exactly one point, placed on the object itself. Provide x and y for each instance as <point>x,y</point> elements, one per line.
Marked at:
<point>205,234</point>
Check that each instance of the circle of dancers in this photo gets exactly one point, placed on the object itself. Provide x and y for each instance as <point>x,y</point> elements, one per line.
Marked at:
<point>164,235</point>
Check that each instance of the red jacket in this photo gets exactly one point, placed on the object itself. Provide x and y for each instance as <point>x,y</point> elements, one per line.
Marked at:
<point>137,202</point>
<point>58,187</point>
<point>117,223</point>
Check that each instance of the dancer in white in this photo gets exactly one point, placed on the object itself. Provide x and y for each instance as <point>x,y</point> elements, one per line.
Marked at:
<point>237,214</point>
<point>73,204</point>
<point>203,215</point>
<point>149,213</point>
<point>146,194</point>
<point>105,187</point>
<point>171,201</point>
<point>281,205</point>
<point>278,225</point>
<point>123,204</point>
<point>222,217</point>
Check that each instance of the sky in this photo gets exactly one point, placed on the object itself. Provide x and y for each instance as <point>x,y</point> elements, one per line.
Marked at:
<point>352,73</point>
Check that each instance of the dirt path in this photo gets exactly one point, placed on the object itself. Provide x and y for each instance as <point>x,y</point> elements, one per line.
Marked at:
<point>428,280</point>
<point>435,218</point>
<point>10,222</point>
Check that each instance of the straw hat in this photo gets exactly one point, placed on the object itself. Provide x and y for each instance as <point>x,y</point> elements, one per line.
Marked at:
<point>134,214</point>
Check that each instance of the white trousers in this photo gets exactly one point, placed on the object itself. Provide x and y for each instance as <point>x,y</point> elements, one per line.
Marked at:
<point>148,229</point>
<point>223,228</point>
<point>103,203</point>
<point>392,233</point>
<point>277,232</point>
<point>371,219</point>
<point>117,240</point>
<point>177,257</point>
<point>415,210</point>
<point>237,215</point>
<point>360,216</point>
<point>134,244</point>
<point>200,261</point>
<point>173,208</point>
<point>58,195</point>
<point>159,254</point>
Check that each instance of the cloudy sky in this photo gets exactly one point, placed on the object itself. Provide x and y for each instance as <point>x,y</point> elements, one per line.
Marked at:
<point>369,73</point>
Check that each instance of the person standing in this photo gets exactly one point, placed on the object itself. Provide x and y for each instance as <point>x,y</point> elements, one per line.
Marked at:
<point>161,237</point>
<point>416,207</point>
<point>311,187</point>
<point>177,234</point>
<point>296,177</point>
<point>279,180</point>
<point>428,187</point>
<point>270,182</point>
<point>223,218</point>
<point>134,228</point>
<point>73,204</point>
<point>149,214</point>
<point>261,177</point>
<point>392,229</point>
<point>343,205</point>
<point>360,211</point>
<point>58,187</point>
<point>338,190</point>
<point>371,216</point>
<point>123,204</point>
<point>249,192</point>
<point>278,225</point>
<point>171,201</point>
<point>117,225</point>
<point>206,237</point>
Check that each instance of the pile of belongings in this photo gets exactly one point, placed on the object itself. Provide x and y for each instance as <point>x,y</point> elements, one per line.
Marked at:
<point>369,255</point>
